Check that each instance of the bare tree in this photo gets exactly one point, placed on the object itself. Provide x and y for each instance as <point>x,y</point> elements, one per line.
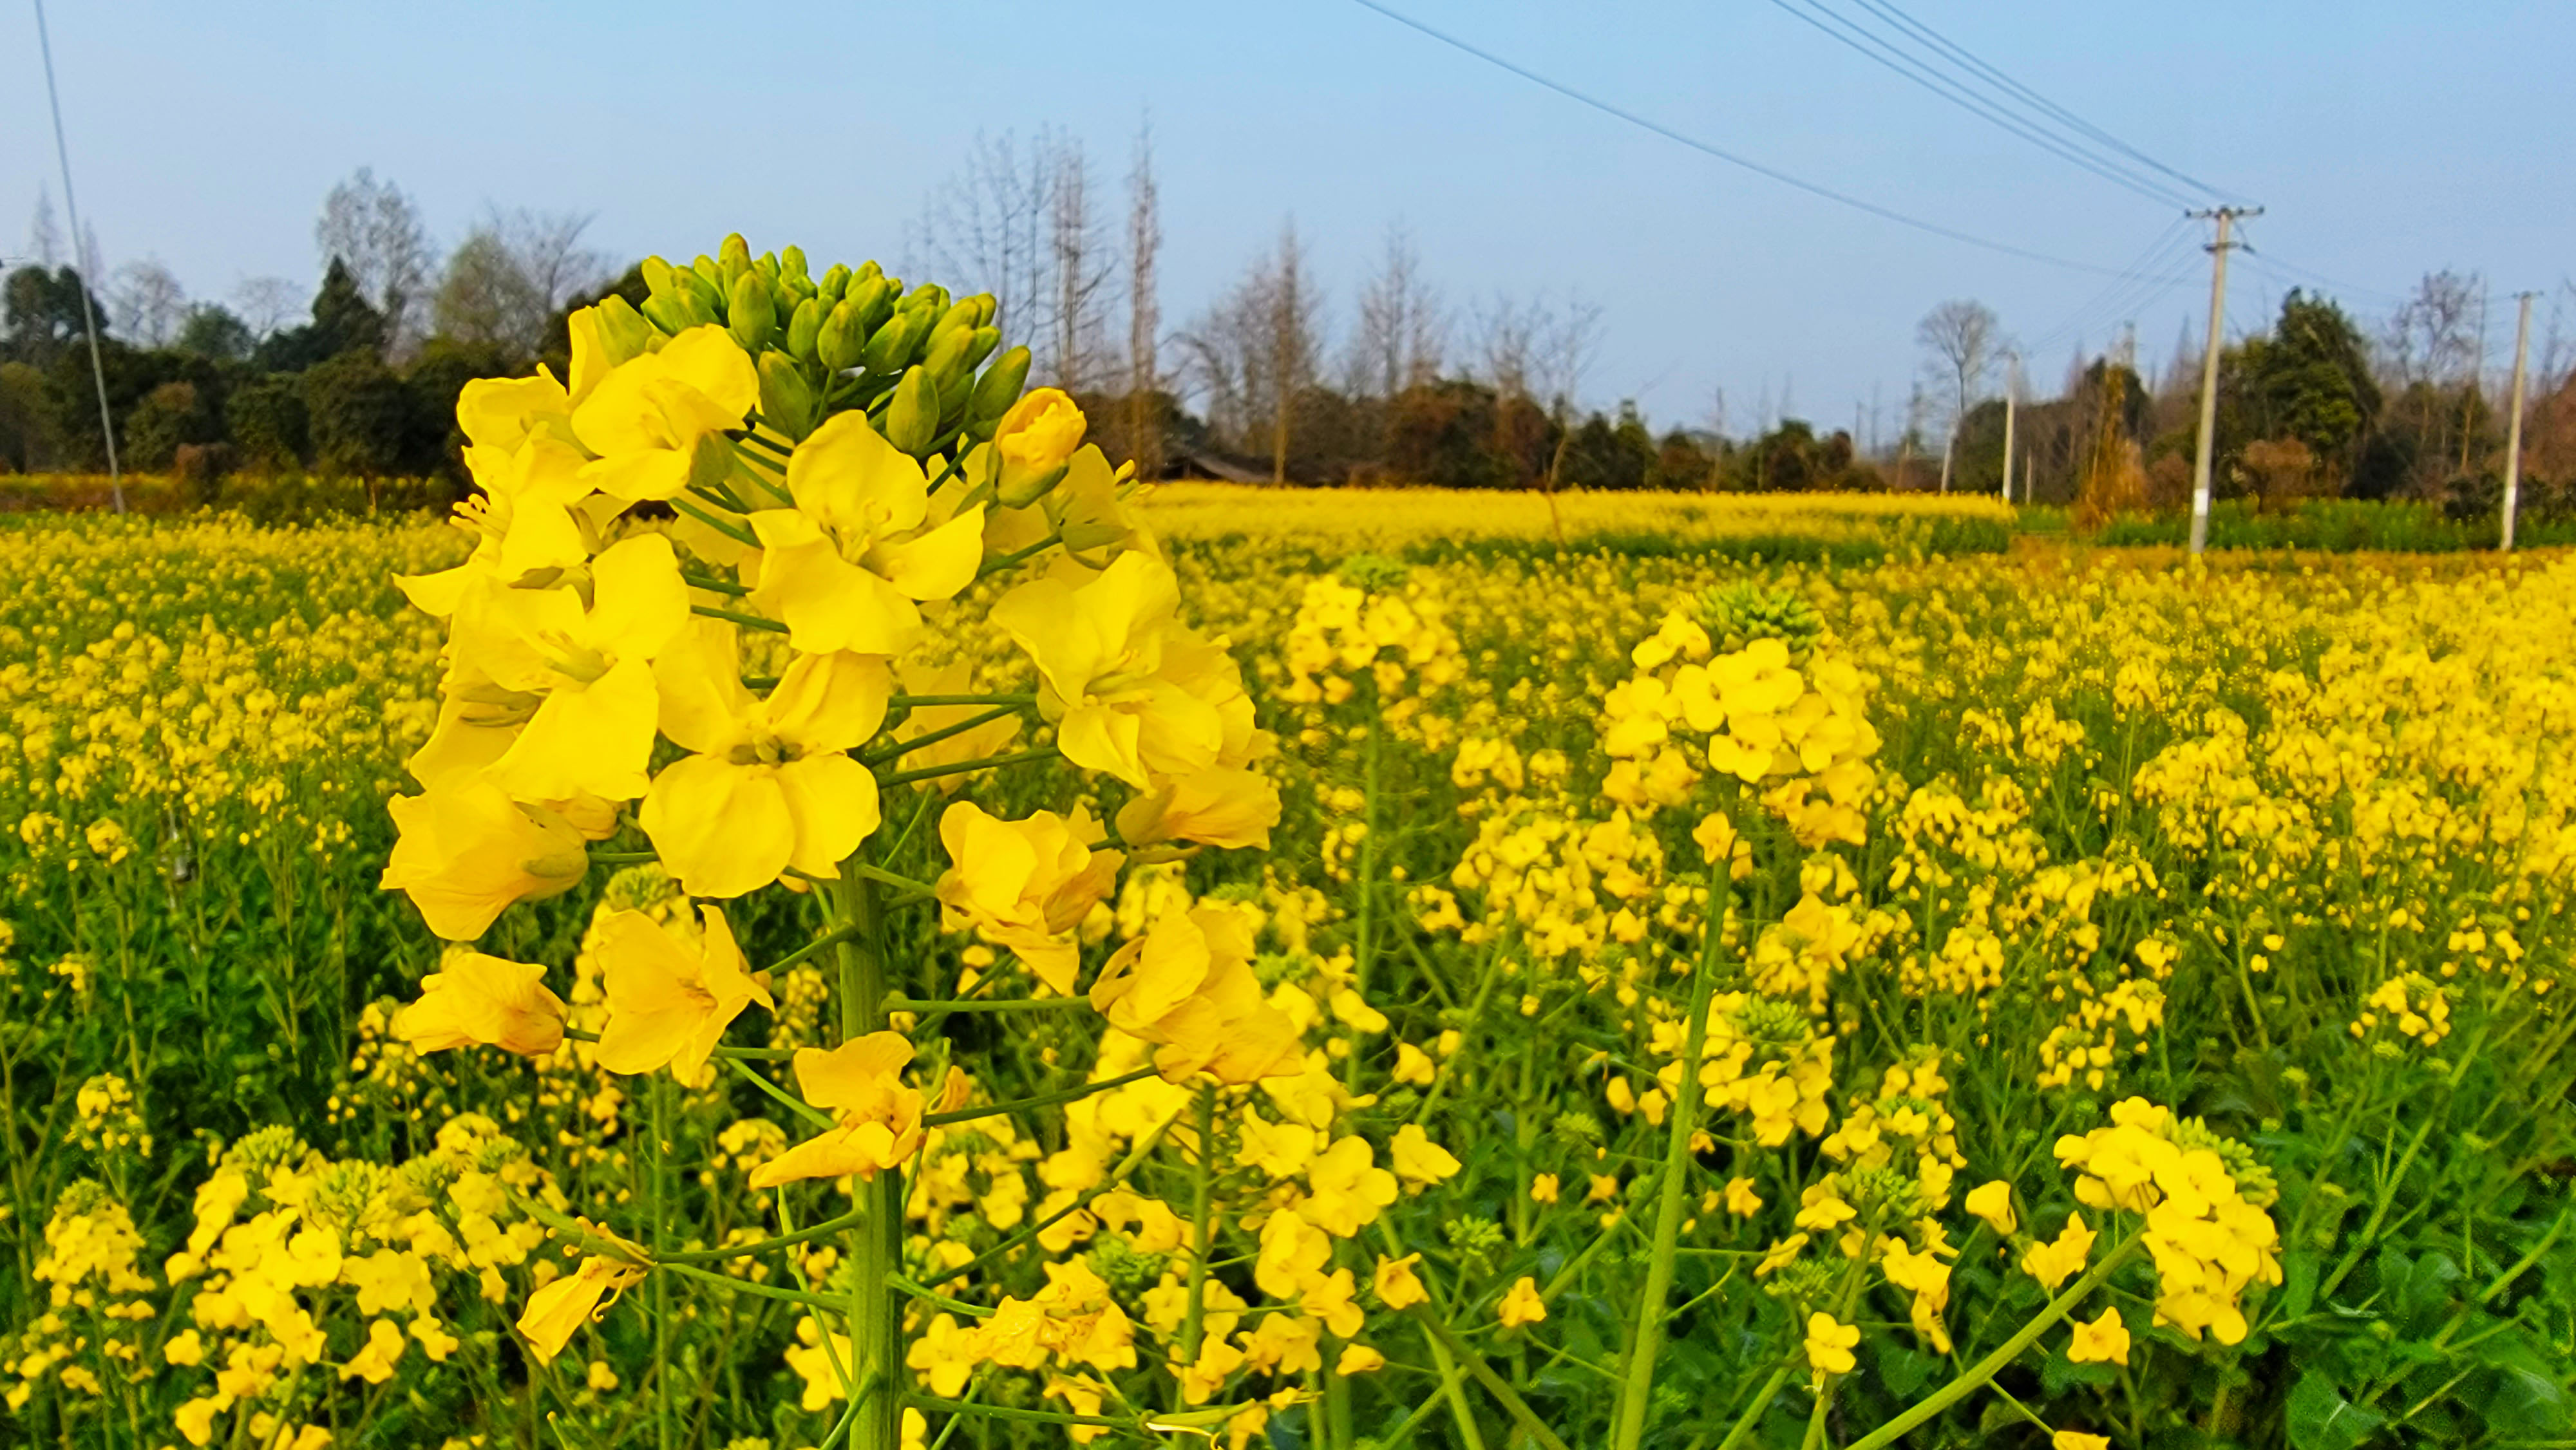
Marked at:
<point>985,228</point>
<point>1144,309</point>
<point>1960,339</point>
<point>374,229</point>
<point>150,301</point>
<point>1506,341</point>
<point>265,304</point>
<point>510,277</point>
<point>44,234</point>
<point>1400,328</point>
<point>1292,314</point>
<point>1253,351</point>
<point>1083,266</point>
<point>2434,337</point>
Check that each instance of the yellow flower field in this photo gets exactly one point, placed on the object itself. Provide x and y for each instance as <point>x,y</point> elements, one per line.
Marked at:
<point>896,937</point>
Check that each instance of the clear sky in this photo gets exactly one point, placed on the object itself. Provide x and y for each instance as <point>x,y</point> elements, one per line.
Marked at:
<point>2386,140</point>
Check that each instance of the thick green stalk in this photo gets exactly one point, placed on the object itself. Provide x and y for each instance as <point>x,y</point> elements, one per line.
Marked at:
<point>1647,1344</point>
<point>1202,1227</point>
<point>660,1169</point>
<point>1364,944</point>
<point>876,1310</point>
<point>1985,1369</point>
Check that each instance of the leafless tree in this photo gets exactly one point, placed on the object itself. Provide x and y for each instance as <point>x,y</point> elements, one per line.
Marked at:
<point>1960,339</point>
<point>2434,337</point>
<point>1401,326</point>
<point>1082,268</point>
<point>149,302</point>
<point>1144,308</point>
<point>984,229</point>
<point>44,234</point>
<point>264,304</point>
<point>510,277</point>
<point>1254,350</point>
<point>374,229</point>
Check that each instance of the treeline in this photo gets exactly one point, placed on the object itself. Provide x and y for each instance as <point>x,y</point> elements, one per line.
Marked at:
<point>362,386</point>
<point>2315,406</point>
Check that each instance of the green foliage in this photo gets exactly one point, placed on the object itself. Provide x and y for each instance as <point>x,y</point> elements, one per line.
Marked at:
<point>269,423</point>
<point>2309,380</point>
<point>361,416</point>
<point>2341,526</point>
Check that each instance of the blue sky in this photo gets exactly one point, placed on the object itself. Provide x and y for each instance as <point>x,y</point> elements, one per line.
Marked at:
<point>2385,139</point>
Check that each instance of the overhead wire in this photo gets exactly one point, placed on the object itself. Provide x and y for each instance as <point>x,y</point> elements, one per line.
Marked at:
<point>1896,14</point>
<point>1732,158</point>
<point>2144,280</point>
<point>1870,44</point>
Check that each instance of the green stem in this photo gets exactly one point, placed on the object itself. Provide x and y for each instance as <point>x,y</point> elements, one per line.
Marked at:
<point>1985,1369</point>
<point>1753,1412</point>
<point>963,767</point>
<point>901,748</point>
<point>1518,1408</point>
<point>659,1116</point>
<point>825,1229</point>
<point>899,702</point>
<point>1201,1225</point>
<point>726,527</point>
<point>1647,1343</point>
<point>996,566</point>
<point>1042,1100</point>
<point>747,621</point>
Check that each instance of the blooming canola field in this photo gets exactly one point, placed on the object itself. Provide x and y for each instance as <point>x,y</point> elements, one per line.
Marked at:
<point>1062,978</point>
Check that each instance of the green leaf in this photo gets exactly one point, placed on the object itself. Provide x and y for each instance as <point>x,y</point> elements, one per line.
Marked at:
<point>1904,1369</point>
<point>2322,1419</point>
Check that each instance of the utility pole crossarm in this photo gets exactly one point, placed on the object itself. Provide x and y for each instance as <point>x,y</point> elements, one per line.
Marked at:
<point>2226,217</point>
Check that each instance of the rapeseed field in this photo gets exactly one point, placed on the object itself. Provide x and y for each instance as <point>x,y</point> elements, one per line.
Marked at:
<point>823,918</point>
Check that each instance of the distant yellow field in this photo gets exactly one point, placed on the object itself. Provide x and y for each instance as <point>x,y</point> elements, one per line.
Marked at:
<point>1361,518</point>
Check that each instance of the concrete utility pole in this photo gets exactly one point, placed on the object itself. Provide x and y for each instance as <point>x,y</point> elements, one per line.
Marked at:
<point>2226,216</point>
<point>2513,430</point>
<point>2012,395</point>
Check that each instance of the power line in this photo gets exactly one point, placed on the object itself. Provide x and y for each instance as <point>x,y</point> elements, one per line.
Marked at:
<point>89,316</point>
<point>1730,157</point>
<point>2143,281</point>
<point>1891,11</point>
<point>1868,43</point>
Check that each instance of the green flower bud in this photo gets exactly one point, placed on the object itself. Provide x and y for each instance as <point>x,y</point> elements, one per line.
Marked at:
<point>708,272</point>
<point>787,401</point>
<point>835,283</point>
<point>791,262</point>
<point>961,314</point>
<point>696,300</point>
<point>623,333</point>
<point>804,326</point>
<point>928,294</point>
<point>875,297</point>
<point>985,340</point>
<point>754,312</point>
<point>842,337</point>
<point>998,389</point>
<point>896,343</point>
<point>657,275</point>
<point>946,358</point>
<point>912,419</point>
<point>733,259</point>
<point>986,308</point>
<point>869,271</point>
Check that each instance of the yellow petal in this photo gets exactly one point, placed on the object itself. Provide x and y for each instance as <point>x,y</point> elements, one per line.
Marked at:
<point>722,829</point>
<point>831,702</point>
<point>832,802</point>
<point>593,741</point>
<point>939,563</point>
